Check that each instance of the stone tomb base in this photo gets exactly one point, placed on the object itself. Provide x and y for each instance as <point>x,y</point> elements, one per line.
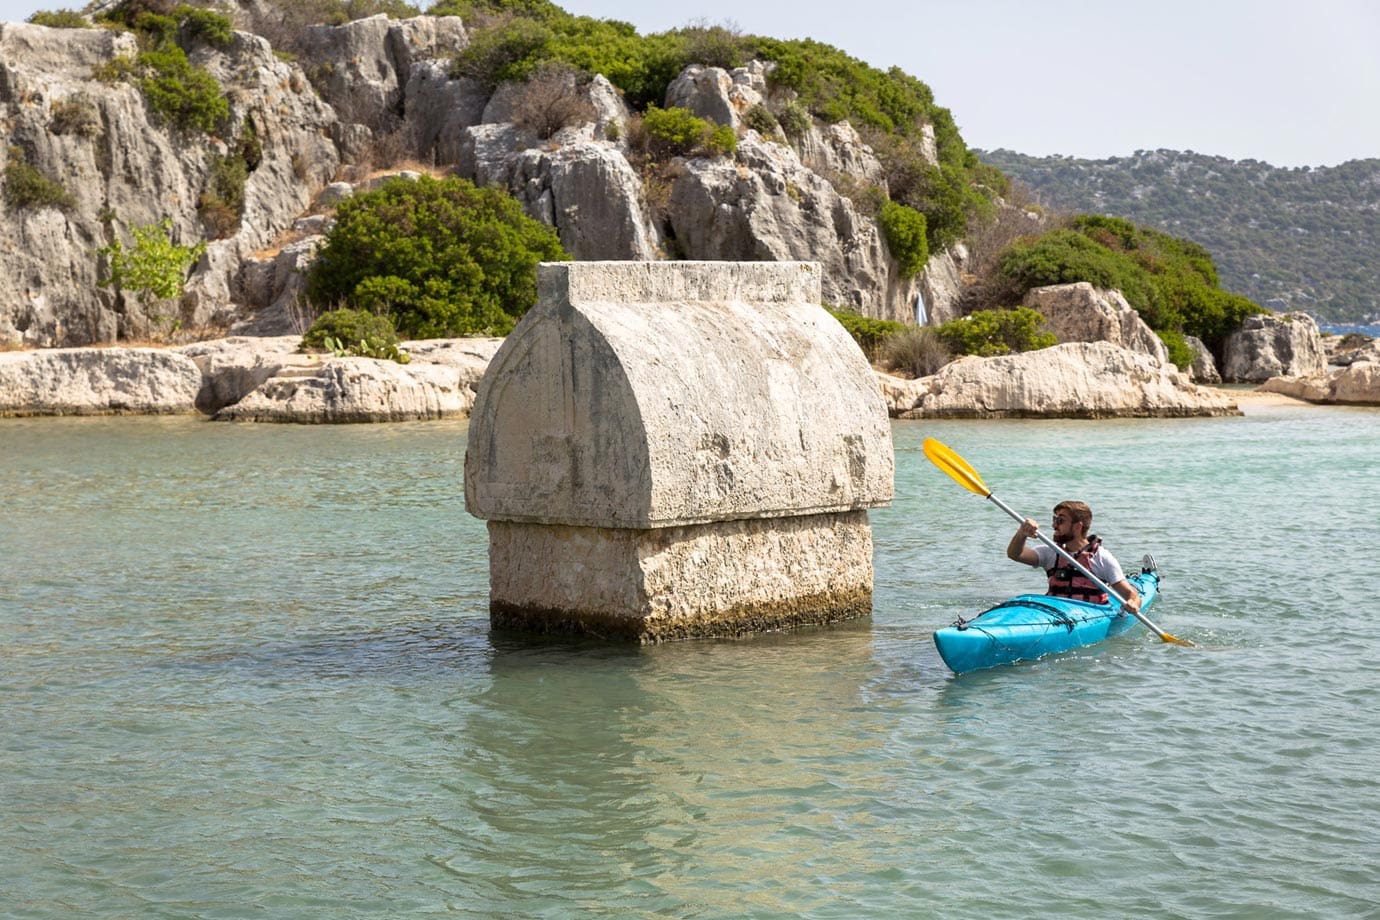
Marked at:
<point>727,578</point>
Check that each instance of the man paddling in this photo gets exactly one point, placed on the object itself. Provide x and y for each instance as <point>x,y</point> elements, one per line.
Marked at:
<point>1072,520</point>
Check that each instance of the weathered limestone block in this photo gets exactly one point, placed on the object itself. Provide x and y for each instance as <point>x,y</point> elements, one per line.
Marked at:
<point>1204,366</point>
<point>1073,380</point>
<point>97,381</point>
<point>328,390</point>
<point>1354,384</point>
<point>1273,345</point>
<point>677,582</point>
<point>722,96</point>
<point>1079,312</point>
<point>668,450</point>
<point>765,205</point>
<point>234,367</point>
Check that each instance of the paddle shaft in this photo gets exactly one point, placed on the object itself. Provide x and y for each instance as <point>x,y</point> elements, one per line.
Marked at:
<point>1111,592</point>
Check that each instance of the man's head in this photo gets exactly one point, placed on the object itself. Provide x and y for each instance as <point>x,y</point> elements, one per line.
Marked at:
<point>1071,519</point>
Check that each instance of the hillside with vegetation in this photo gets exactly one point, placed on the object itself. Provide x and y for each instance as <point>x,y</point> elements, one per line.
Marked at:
<point>1297,239</point>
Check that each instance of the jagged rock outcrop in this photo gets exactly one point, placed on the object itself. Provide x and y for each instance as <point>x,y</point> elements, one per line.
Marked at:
<point>232,368</point>
<point>722,96</point>
<point>1073,380</point>
<point>1356,383</point>
<point>362,68</point>
<point>1346,350</point>
<point>941,286</point>
<point>1079,312</point>
<point>1204,366</point>
<point>1273,345</point>
<point>368,89</point>
<point>592,196</point>
<point>124,167</point>
<point>765,205</point>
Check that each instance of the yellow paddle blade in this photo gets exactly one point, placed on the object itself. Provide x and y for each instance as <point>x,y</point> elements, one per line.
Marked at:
<point>1166,637</point>
<point>951,463</point>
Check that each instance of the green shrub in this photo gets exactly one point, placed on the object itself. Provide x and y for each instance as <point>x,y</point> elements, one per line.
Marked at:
<point>355,332</point>
<point>28,187</point>
<point>511,52</point>
<point>1170,282</point>
<point>986,333</point>
<point>760,119</point>
<point>795,120</point>
<point>60,19</point>
<point>917,350</point>
<point>441,257</point>
<point>678,132</point>
<point>904,230</point>
<point>185,95</point>
<point>206,25</point>
<point>221,204</point>
<point>76,115</point>
<point>869,333</point>
<point>1181,354</point>
<point>155,268</point>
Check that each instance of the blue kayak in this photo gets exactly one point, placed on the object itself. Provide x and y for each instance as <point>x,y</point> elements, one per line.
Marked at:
<point>1033,625</point>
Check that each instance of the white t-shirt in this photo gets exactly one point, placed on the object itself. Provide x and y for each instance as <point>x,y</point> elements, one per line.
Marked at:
<point>1103,564</point>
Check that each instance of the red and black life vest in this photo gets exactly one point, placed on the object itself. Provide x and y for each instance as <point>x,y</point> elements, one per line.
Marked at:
<point>1066,581</point>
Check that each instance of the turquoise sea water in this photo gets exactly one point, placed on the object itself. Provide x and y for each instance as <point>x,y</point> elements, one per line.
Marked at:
<point>247,672</point>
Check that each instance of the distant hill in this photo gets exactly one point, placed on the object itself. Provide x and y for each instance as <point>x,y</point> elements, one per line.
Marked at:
<point>1289,239</point>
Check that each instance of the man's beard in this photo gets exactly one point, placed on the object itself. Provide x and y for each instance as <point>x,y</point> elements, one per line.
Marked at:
<point>1064,540</point>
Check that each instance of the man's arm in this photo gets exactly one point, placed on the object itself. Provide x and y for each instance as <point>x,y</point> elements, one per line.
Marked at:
<point>1017,551</point>
<point>1128,591</point>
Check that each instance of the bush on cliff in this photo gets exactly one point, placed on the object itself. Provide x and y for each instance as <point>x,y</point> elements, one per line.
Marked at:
<point>355,332</point>
<point>869,333</point>
<point>1171,282</point>
<point>154,269</point>
<point>439,257</point>
<point>175,88</point>
<point>675,132</point>
<point>903,228</point>
<point>987,333</point>
<point>59,19</point>
<point>509,39</point>
<point>27,186</point>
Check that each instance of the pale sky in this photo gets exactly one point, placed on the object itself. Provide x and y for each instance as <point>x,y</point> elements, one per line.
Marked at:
<point>1289,83</point>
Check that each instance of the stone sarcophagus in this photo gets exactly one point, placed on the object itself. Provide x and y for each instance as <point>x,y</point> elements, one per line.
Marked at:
<point>668,450</point>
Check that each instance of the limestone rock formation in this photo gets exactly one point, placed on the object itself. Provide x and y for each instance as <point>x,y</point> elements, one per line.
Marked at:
<point>1355,383</point>
<point>1273,345</point>
<point>1204,366</point>
<point>124,167</point>
<point>98,381</point>
<point>765,205</point>
<point>335,390</point>
<point>722,96</point>
<point>1079,312</point>
<point>439,382</point>
<point>1073,380</point>
<point>247,379</point>
<point>375,89</point>
<point>362,68</point>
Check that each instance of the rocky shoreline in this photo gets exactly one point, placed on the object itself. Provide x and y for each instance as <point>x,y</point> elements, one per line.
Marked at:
<point>270,380</point>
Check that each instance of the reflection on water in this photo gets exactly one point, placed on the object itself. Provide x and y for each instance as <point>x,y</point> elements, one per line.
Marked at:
<point>247,671</point>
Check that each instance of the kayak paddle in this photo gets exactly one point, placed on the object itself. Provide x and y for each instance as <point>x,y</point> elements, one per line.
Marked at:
<point>959,470</point>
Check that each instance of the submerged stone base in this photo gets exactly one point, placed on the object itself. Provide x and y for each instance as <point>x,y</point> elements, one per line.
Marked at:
<point>721,579</point>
